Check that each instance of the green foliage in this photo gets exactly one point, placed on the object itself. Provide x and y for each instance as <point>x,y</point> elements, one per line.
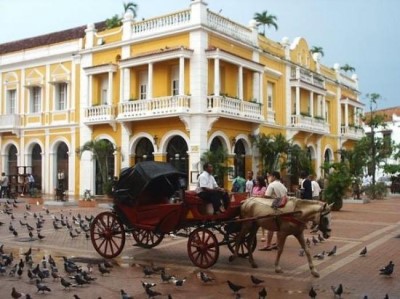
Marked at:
<point>338,181</point>
<point>377,191</point>
<point>348,68</point>
<point>299,161</point>
<point>265,19</point>
<point>319,50</point>
<point>114,21</point>
<point>218,158</point>
<point>133,7</point>
<point>101,150</point>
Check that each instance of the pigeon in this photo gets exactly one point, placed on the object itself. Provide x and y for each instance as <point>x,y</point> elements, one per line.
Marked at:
<point>320,238</point>
<point>148,284</point>
<point>15,294</point>
<point>262,294</point>
<point>148,271</point>
<point>55,275</point>
<point>72,235</point>
<point>41,287</point>
<point>387,270</point>
<point>124,295</point>
<point>19,272</point>
<point>337,291</point>
<point>79,280</point>
<point>76,296</point>
<point>178,282</point>
<point>151,294</point>
<point>41,237</point>
<point>301,252</point>
<point>320,256</point>
<point>205,278</point>
<point>255,280</point>
<point>364,251</point>
<point>165,277</point>
<point>314,240</point>
<point>103,270</point>
<point>333,251</point>
<point>312,293</point>
<point>308,242</point>
<point>15,233</point>
<point>66,284</point>
<point>107,264</point>
<point>386,296</point>
<point>234,287</point>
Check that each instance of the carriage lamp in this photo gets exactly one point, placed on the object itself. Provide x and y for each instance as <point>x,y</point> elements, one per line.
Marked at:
<point>233,140</point>
<point>155,138</point>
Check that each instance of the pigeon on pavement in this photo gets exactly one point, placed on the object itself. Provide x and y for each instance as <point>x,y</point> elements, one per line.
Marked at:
<point>234,287</point>
<point>387,270</point>
<point>364,251</point>
<point>312,293</point>
<point>333,251</point>
<point>256,281</point>
<point>337,291</point>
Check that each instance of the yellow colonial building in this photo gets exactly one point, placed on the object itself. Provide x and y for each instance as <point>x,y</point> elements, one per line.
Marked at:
<point>167,88</point>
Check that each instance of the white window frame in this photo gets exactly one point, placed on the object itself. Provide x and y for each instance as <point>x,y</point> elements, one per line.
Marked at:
<point>143,83</point>
<point>270,95</point>
<point>11,97</point>
<point>61,96</point>
<point>35,99</point>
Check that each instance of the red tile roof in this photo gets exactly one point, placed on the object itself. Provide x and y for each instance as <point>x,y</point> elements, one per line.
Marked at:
<point>387,113</point>
<point>47,39</point>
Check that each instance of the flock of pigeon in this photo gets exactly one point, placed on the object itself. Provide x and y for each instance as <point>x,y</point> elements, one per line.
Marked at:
<point>74,275</point>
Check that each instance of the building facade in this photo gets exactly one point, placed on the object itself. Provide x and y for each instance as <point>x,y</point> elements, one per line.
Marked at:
<point>167,88</point>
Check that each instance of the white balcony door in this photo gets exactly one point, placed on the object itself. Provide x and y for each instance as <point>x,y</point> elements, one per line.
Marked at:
<point>35,94</point>
<point>61,96</point>
<point>104,91</point>
<point>175,80</point>
<point>270,96</point>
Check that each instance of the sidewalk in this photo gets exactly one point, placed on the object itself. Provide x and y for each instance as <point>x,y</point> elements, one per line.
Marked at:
<point>375,225</point>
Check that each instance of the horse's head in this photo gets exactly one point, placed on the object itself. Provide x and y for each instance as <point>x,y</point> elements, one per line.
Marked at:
<point>324,224</point>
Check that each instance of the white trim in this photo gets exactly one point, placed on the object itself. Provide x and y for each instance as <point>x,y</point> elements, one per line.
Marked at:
<point>135,140</point>
<point>222,136</point>
<point>248,64</point>
<point>100,69</point>
<point>168,136</point>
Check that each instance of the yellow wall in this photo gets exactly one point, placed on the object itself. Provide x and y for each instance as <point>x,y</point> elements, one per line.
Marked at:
<point>160,43</point>
<point>229,46</point>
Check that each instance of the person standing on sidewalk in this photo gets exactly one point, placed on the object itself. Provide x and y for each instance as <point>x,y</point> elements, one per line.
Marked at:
<point>250,182</point>
<point>316,189</point>
<point>305,187</point>
<point>275,189</point>
<point>4,184</point>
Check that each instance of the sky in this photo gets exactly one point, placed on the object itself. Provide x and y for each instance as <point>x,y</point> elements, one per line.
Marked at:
<point>361,33</point>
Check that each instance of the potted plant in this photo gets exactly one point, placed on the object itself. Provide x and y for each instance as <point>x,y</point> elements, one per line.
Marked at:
<point>87,200</point>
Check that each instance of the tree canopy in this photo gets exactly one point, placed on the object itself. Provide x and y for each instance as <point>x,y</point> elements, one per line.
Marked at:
<point>265,19</point>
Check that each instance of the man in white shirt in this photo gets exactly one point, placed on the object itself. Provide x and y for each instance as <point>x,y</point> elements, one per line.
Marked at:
<point>275,189</point>
<point>316,189</point>
<point>208,190</point>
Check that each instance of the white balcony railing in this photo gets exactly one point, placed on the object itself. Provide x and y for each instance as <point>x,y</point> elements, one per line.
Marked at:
<point>9,122</point>
<point>352,132</point>
<point>234,107</point>
<point>99,114</point>
<point>271,118</point>
<point>230,28</point>
<point>162,23</point>
<point>310,124</point>
<point>304,75</point>
<point>163,106</point>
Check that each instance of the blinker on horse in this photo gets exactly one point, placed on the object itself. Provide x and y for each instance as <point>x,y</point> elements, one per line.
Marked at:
<point>291,220</point>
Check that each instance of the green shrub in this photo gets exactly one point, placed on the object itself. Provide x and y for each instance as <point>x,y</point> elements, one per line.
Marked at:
<point>377,191</point>
<point>339,180</point>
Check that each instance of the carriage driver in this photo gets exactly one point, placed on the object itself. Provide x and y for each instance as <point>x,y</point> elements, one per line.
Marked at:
<point>208,190</point>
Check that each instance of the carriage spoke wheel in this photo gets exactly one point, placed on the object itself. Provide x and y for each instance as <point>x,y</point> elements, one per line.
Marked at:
<point>203,248</point>
<point>243,248</point>
<point>147,238</point>
<point>107,234</point>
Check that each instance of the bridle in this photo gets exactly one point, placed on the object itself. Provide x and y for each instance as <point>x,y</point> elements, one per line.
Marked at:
<point>323,226</point>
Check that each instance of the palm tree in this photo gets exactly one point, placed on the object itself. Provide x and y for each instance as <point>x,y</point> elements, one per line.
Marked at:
<point>133,7</point>
<point>101,151</point>
<point>266,19</point>
<point>348,68</point>
<point>319,50</point>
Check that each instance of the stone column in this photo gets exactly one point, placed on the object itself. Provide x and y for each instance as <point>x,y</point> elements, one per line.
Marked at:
<point>346,115</point>
<point>89,36</point>
<point>181,76</point>
<point>110,88</point>
<point>312,104</point>
<point>297,100</point>
<point>240,82</point>
<point>150,81</point>
<point>217,77</point>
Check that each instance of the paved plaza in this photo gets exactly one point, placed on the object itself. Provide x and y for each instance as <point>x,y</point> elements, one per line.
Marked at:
<point>375,225</point>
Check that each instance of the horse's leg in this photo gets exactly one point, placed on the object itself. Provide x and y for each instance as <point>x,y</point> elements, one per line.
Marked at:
<point>281,236</point>
<point>250,241</point>
<point>302,242</point>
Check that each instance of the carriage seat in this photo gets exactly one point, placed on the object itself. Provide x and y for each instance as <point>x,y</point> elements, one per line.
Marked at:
<point>192,199</point>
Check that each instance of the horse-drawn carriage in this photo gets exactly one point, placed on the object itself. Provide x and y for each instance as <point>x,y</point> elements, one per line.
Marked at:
<point>150,201</point>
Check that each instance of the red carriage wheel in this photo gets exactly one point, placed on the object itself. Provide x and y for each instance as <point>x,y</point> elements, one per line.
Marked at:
<point>107,234</point>
<point>147,238</point>
<point>203,248</point>
<point>243,248</point>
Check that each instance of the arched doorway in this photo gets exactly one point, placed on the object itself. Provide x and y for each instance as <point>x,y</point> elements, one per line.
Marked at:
<point>62,163</point>
<point>12,160</point>
<point>144,151</point>
<point>240,159</point>
<point>328,156</point>
<point>177,154</point>
<point>37,165</point>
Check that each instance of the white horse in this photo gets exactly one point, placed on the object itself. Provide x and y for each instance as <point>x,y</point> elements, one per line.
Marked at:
<point>304,211</point>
